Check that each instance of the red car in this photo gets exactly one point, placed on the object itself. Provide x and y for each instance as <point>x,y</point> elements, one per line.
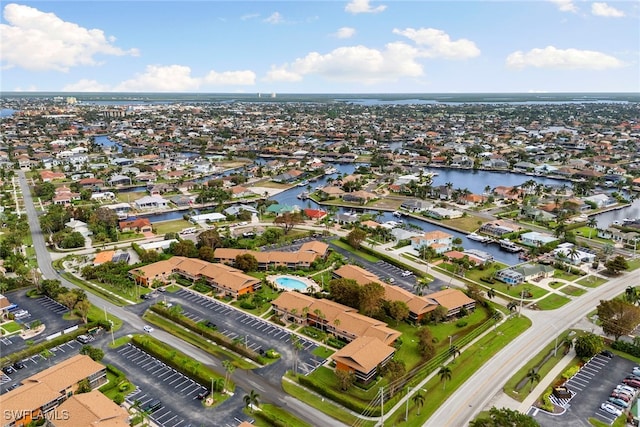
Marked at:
<point>632,382</point>
<point>622,396</point>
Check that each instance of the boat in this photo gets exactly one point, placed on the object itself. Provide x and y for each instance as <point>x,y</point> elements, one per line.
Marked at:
<point>508,245</point>
<point>477,237</point>
<point>303,196</point>
<point>397,214</point>
<point>303,183</point>
<point>330,171</point>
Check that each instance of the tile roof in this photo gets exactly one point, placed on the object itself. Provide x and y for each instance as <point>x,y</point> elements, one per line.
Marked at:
<point>363,354</point>
<point>91,409</point>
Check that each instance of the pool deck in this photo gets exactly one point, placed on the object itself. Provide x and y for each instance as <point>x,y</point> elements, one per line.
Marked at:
<point>308,282</point>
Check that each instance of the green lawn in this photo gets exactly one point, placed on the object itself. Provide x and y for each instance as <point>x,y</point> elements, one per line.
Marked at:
<point>120,342</point>
<point>634,264</point>
<point>466,223</point>
<point>561,274</point>
<point>517,290</point>
<point>573,291</point>
<point>173,288</point>
<point>174,226</point>
<point>591,281</point>
<point>323,352</point>
<point>269,415</point>
<point>552,302</point>
<point>590,233</point>
<point>359,253</point>
<point>11,327</point>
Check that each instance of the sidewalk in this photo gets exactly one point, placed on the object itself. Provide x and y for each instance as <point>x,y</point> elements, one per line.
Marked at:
<point>547,381</point>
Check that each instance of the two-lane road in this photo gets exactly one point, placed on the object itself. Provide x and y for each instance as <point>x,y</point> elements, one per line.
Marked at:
<point>246,380</point>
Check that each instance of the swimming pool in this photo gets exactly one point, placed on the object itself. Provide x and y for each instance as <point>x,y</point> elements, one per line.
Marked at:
<point>291,283</point>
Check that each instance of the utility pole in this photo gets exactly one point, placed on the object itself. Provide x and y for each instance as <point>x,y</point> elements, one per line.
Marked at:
<point>406,409</point>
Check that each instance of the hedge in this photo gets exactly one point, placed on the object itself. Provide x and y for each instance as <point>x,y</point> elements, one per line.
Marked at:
<point>340,397</point>
<point>160,350</point>
<point>626,347</point>
<point>46,345</point>
<point>214,336</point>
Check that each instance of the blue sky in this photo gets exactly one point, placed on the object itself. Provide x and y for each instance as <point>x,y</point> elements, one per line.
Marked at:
<point>358,46</point>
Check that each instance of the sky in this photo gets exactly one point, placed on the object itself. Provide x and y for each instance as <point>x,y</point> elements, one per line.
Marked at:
<point>328,46</point>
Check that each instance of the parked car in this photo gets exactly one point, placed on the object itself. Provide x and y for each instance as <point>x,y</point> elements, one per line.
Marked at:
<point>608,407</point>
<point>83,339</point>
<point>607,353</point>
<point>203,394</point>
<point>636,370</point>
<point>152,406</point>
<point>622,396</point>
<point>632,382</point>
<point>210,324</point>
<point>406,273</point>
<point>148,329</point>
<point>618,402</point>
<point>8,369</point>
<point>19,365</point>
<point>623,388</point>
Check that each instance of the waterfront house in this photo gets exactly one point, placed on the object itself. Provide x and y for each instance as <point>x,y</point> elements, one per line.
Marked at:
<point>116,180</point>
<point>438,240</point>
<point>442,213</point>
<point>567,252</point>
<point>139,225</point>
<point>151,202</point>
<point>359,196</point>
<point>499,228</point>
<point>536,239</point>
<point>315,214</point>
<point>522,273</point>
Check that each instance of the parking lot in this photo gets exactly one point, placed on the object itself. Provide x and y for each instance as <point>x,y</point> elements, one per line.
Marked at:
<point>37,363</point>
<point>177,392</point>
<point>258,334</point>
<point>592,386</point>
<point>44,309</point>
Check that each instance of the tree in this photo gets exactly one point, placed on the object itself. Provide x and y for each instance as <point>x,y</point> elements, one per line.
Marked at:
<point>398,310</point>
<point>445,374</point>
<point>491,293</point>
<point>82,308</point>
<point>209,238</point>
<point>439,314</point>
<point>631,294</point>
<point>533,377</point>
<point>83,386</point>
<point>616,265</point>
<point>618,317</point>
<point>425,343</point>
<point>68,299</point>
<point>93,352</point>
<point>288,220</point>
<point>418,400</point>
<point>356,237</point>
<point>251,400</point>
<point>567,344</point>
<point>246,262</point>
<point>345,291</point>
<point>393,370</point>
<point>185,248</point>
<point>371,297</point>
<point>229,367</point>
<point>346,378</point>
<point>592,223</point>
<point>588,345</point>
<point>504,417</point>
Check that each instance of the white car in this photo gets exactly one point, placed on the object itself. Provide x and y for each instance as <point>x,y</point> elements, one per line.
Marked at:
<point>636,370</point>
<point>148,329</point>
<point>608,407</point>
<point>406,273</point>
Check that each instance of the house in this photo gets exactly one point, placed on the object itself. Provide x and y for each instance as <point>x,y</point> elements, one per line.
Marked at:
<point>316,214</point>
<point>308,253</point>
<point>442,213</point>
<point>48,389</point>
<point>48,176</point>
<point>536,239</point>
<point>416,205</point>
<point>359,196</point>
<point>568,252</point>
<point>438,240</point>
<point>5,306</point>
<point>119,180</point>
<point>92,183</point>
<point>223,279</point>
<point>208,217</point>
<point>346,218</point>
<point>158,246</point>
<point>279,209</point>
<point>78,226</point>
<point>103,256</point>
<point>105,195</point>
<point>139,225</point>
<point>64,196</point>
<point>600,200</point>
<point>522,273</point>
<point>239,192</point>
<point>330,192</point>
<point>182,200</point>
<point>499,228</point>
<point>234,210</point>
<point>151,202</point>
<point>453,300</point>
<point>343,322</point>
<point>363,356</point>
<point>92,409</point>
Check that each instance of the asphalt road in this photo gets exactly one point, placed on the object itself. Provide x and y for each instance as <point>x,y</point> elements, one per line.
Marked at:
<point>245,380</point>
<point>476,393</point>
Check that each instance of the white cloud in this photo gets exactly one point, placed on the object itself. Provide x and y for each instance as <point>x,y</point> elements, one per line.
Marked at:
<point>86,85</point>
<point>354,63</point>
<point>345,33</point>
<point>363,6</point>
<point>439,45</point>
<point>565,5</point>
<point>275,18</point>
<point>603,9</point>
<point>568,59</point>
<point>36,40</point>
<point>229,78</point>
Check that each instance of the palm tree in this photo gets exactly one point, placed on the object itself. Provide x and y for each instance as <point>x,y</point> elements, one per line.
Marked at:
<point>418,400</point>
<point>251,400</point>
<point>454,351</point>
<point>229,368</point>
<point>631,294</point>
<point>592,223</point>
<point>567,343</point>
<point>297,346</point>
<point>491,293</point>
<point>533,377</point>
<point>445,374</point>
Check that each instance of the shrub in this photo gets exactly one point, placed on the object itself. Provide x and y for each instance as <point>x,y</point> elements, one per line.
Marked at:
<point>461,323</point>
<point>118,399</point>
<point>570,372</point>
